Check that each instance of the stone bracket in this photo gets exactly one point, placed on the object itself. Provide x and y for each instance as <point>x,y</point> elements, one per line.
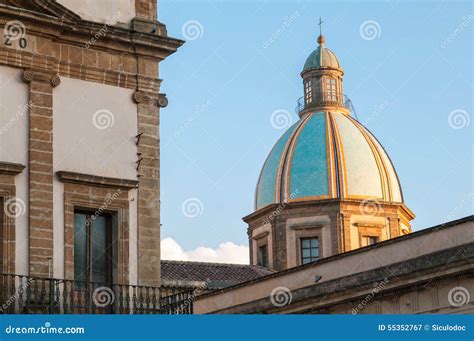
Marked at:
<point>32,75</point>
<point>145,97</point>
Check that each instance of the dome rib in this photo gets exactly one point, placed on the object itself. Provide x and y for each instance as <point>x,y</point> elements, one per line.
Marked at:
<point>327,155</point>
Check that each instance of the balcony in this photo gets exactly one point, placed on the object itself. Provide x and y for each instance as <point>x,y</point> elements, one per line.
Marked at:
<point>319,102</point>
<point>33,295</point>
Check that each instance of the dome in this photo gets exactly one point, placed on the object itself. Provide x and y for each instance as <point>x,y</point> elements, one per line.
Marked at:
<point>322,57</point>
<point>327,155</point>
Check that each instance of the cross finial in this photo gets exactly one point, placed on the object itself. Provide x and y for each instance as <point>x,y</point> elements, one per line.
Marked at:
<point>321,37</point>
<point>320,26</point>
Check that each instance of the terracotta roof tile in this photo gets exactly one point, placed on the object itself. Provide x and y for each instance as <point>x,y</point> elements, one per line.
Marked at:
<point>216,275</point>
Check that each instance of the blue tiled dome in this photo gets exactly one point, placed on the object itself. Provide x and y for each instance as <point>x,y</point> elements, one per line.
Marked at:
<point>327,155</point>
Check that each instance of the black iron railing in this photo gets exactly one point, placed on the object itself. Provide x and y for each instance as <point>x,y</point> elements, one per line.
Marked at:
<point>334,99</point>
<point>34,295</point>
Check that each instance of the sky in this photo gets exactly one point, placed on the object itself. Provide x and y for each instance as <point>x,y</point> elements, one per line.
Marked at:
<point>408,72</point>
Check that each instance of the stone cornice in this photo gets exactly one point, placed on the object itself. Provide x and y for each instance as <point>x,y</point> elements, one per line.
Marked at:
<point>8,168</point>
<point>32,75</point>
<point>47,64</point>
<point>147,97</point>
<point>94,180</point>
<point>149,39</point>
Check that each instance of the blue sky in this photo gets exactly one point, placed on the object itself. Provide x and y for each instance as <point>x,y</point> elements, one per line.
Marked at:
<point>409,78</point>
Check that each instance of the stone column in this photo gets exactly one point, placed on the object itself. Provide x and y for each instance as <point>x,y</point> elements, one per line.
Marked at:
<point>40,168</point>
<point>148,148</point>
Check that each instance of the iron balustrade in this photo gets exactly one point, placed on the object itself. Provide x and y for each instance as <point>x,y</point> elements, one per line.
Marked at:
<point>34,295</point>
<point>328,100</point>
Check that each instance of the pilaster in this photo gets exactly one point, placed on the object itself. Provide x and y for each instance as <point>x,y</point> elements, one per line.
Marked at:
<point>148,147</point>
<point>40,169</point>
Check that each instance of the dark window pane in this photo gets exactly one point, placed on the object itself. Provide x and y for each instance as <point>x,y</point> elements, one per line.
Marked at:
<point>306,260</point>
<point>262,256</point>
<point>315,252</point>
<point>306,253</point>
<point>99,250</point>
<point>305,243</point>
<point>80,247</point>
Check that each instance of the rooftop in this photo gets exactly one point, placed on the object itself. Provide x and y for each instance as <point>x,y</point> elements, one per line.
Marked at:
<point>214,275</point>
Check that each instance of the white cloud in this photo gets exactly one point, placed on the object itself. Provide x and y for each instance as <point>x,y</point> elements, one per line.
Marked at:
<point>227,252</point>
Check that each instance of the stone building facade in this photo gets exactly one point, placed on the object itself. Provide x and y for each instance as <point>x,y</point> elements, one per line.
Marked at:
<point>79,141</point>
<point>426,272</point>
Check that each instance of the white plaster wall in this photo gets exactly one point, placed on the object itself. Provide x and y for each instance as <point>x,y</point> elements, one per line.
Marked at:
<point>94,129</point>
<point>14,148</point>
<point>133,237</point>
<point>103,11</point>
<point>13,116</point>
<point>80,146</point>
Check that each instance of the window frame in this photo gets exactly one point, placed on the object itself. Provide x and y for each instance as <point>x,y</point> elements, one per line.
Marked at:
<point>302,248</point>
<point>262,260</point>
<point>330,89</point>
<point>110,252</point>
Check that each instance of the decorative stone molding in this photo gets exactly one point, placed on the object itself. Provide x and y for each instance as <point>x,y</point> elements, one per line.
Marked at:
<point>261,235</point>
<point>94,180</point>
<point>31,75</point>
<point>8,168</point>
<point>368,225</point>
<point>95,199</point>
<point>144,97</point>
<point>306,226</point>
